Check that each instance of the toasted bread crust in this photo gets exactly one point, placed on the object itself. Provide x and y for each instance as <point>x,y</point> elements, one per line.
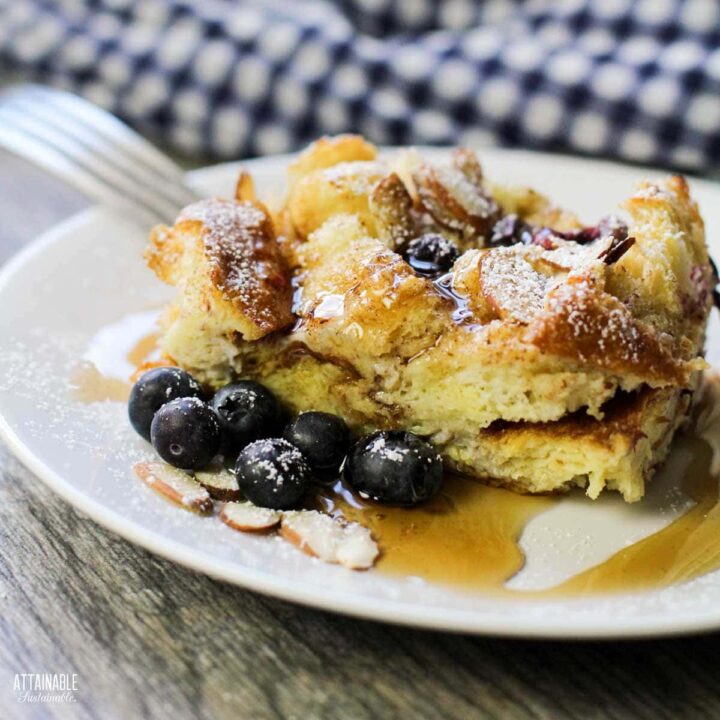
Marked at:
<point>238,256</point>
<point>530,334</point>
<point>329,151</point>
<point>244,262</point>
<point>590,327</point>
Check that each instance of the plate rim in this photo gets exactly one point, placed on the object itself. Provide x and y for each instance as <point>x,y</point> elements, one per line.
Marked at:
<point>656,624</point>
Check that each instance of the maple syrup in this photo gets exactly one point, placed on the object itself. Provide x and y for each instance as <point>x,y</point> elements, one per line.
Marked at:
<point>687,548</point>
<point>468,536</point>
<point>89,385</point>
<point>114,354</point>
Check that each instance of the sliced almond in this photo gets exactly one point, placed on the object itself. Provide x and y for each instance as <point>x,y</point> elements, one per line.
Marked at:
<point>175,485</point>
<point>450,194</point>
<point>391,204</point>
<point>349,544</point>
<point>511,285</point>
<point>619,244</point>
<point>221,484</point>
<point>246,517</point>
<point>467,162</point>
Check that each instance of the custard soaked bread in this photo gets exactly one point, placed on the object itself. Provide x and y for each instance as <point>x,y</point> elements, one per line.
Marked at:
<point>546,355</point>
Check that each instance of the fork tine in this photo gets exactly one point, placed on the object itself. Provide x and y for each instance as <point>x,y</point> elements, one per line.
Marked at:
<point>130,189</point>
<point>176,194</point>
<point>92,150</point>
<point>104,123</point>
<point>45,156</point>
<point>44,146</point>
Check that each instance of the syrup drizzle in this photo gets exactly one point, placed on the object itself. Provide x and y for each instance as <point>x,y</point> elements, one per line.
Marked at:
<point>467,537</point>
<point>89,385</point>
<point>687,548</point>
<point>462,314</point>
<point>113,355</point>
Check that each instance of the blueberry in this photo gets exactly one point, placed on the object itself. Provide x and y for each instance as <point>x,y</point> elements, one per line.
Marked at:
<point>431,254</point>
<point>272,473</point>
<point>394,467</point>
<point>585,235</point>
<point>185,433</point>
<point>155,388</point>
<point>510,230</point>
<point>322,438</point>
<point>246,411</point>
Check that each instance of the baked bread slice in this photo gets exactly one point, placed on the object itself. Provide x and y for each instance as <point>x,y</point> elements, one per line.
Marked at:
<point>549,356</point>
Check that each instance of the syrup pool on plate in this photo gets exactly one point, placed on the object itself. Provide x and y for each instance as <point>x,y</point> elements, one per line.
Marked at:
<point>113,355</point>
<point>469,535</point>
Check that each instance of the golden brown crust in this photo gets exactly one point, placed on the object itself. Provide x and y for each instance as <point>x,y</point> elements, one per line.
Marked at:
<point>666,278</point>
<point>245,187</point>
<point>164,254</point>
<point>329,151</point>
<point>392,206</point>
<point>559,302</point>
<point>591,327</point>
<point>361,301</point>
<point>244,263</point>
<point>343,188</point>
<point>533,207</point>
<point>538,333</point>
<point>623,416</point>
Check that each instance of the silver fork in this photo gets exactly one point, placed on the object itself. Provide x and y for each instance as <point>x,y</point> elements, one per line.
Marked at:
<point>92,150</point>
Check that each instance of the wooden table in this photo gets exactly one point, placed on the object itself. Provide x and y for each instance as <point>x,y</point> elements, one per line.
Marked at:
<point>149,639</point>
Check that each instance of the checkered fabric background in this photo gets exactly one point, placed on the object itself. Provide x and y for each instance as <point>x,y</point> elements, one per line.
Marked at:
<point>634,79</point>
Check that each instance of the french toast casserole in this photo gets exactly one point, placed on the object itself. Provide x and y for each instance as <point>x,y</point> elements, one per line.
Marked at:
<point>534,352</point>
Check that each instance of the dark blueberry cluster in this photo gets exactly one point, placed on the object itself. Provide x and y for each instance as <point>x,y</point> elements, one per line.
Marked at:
<point>431,254</point>
<point>185,432</point>
<point>272,473</point>
<point>275,466</point>
<point>155,388</point>
<point>246,411</point>
<point>323,439</point>
<point>511,230</point>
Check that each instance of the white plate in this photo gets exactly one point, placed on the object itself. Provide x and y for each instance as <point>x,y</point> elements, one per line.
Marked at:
<point>88,273</point>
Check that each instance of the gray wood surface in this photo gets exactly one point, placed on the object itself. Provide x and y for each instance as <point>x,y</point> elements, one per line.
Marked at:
<point>149,639</point>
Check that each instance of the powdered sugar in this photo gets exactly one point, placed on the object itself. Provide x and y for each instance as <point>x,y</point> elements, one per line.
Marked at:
<point>245,262</point>
<point>358,177</point>
<point>282,463</point>
<point>512,285</point>
<point>393,453</point>
<point>470,196</point>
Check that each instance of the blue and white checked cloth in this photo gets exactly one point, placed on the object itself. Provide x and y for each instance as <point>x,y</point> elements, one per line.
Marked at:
<point>634,79</point>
